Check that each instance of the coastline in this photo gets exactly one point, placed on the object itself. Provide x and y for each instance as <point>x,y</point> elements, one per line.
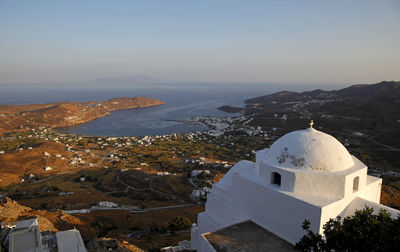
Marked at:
<point>107,114</point>
<point>59,128</point>
<point>66,114</point>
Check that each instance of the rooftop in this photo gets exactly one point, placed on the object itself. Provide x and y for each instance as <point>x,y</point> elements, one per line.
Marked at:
<point>247,236</point>
<point>69,241</point>
<point>25,239</point>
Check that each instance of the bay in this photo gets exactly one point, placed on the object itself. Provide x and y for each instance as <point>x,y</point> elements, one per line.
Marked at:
<point>182,101</point>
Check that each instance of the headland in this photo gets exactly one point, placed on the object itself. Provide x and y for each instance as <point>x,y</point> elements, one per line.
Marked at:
<point>65,114</point>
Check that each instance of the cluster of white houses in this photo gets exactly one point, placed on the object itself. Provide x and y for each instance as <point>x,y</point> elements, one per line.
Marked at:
<point>82,157</point>
<point>220,125</point>
<point>202,161</point>
<point>25,236</point>
<point>305,174</point>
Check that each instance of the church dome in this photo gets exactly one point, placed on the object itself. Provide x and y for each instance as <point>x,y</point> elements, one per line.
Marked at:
<point>309,149</point>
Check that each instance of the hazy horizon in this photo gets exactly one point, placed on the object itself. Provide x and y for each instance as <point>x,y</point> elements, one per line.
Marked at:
<point>190,42</point>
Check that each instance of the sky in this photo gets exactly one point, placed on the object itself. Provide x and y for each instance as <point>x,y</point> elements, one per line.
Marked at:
<point>241,41</point>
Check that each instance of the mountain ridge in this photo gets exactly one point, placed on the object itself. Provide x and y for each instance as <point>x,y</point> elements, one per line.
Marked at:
<point>359,91</point>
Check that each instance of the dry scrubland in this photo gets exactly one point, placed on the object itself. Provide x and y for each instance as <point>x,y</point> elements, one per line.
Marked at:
<point>130,180</point>
<point>127,175</point>
<point>149,172</point>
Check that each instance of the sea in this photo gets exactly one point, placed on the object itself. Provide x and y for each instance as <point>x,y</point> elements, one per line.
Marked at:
<point>181,101</point>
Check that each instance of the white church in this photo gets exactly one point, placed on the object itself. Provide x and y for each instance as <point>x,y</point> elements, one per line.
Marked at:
<point>305,174</point>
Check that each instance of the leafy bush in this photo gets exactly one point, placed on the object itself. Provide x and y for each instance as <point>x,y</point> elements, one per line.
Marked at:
<point>177,224</point>
<point>362,232</point>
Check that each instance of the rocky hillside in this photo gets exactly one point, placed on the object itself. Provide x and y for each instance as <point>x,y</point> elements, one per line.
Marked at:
<point>11,211</point>
<point>16,164</point>
<point>384,89</point>
<point>65,114</point>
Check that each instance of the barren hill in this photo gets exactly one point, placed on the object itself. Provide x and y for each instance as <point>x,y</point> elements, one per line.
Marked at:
<point>11,211</point>
<point>65,114</point>
<point>14,165</point>
<point>384,89</point>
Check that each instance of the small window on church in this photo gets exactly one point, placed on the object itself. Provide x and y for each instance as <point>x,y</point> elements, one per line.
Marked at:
<point>356,181</point>
<point>276,178</point>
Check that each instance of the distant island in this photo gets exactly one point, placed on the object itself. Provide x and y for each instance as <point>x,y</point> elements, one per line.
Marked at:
<point>64,114</point>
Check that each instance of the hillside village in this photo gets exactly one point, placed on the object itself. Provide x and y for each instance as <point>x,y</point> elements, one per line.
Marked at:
<point>116,173</point>
<point>147,190</point>
<point>112,170</point>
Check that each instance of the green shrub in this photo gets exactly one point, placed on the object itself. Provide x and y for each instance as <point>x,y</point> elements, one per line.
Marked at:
<point>363,231</point>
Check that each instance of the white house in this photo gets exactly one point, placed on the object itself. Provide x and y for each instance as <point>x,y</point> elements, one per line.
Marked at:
<point>306,174</point>
<point>107,204</point>
<point>26,236</point>
<point>70,241</point>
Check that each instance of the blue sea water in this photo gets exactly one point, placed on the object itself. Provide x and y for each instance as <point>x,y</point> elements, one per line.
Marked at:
<point>182,101</point>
